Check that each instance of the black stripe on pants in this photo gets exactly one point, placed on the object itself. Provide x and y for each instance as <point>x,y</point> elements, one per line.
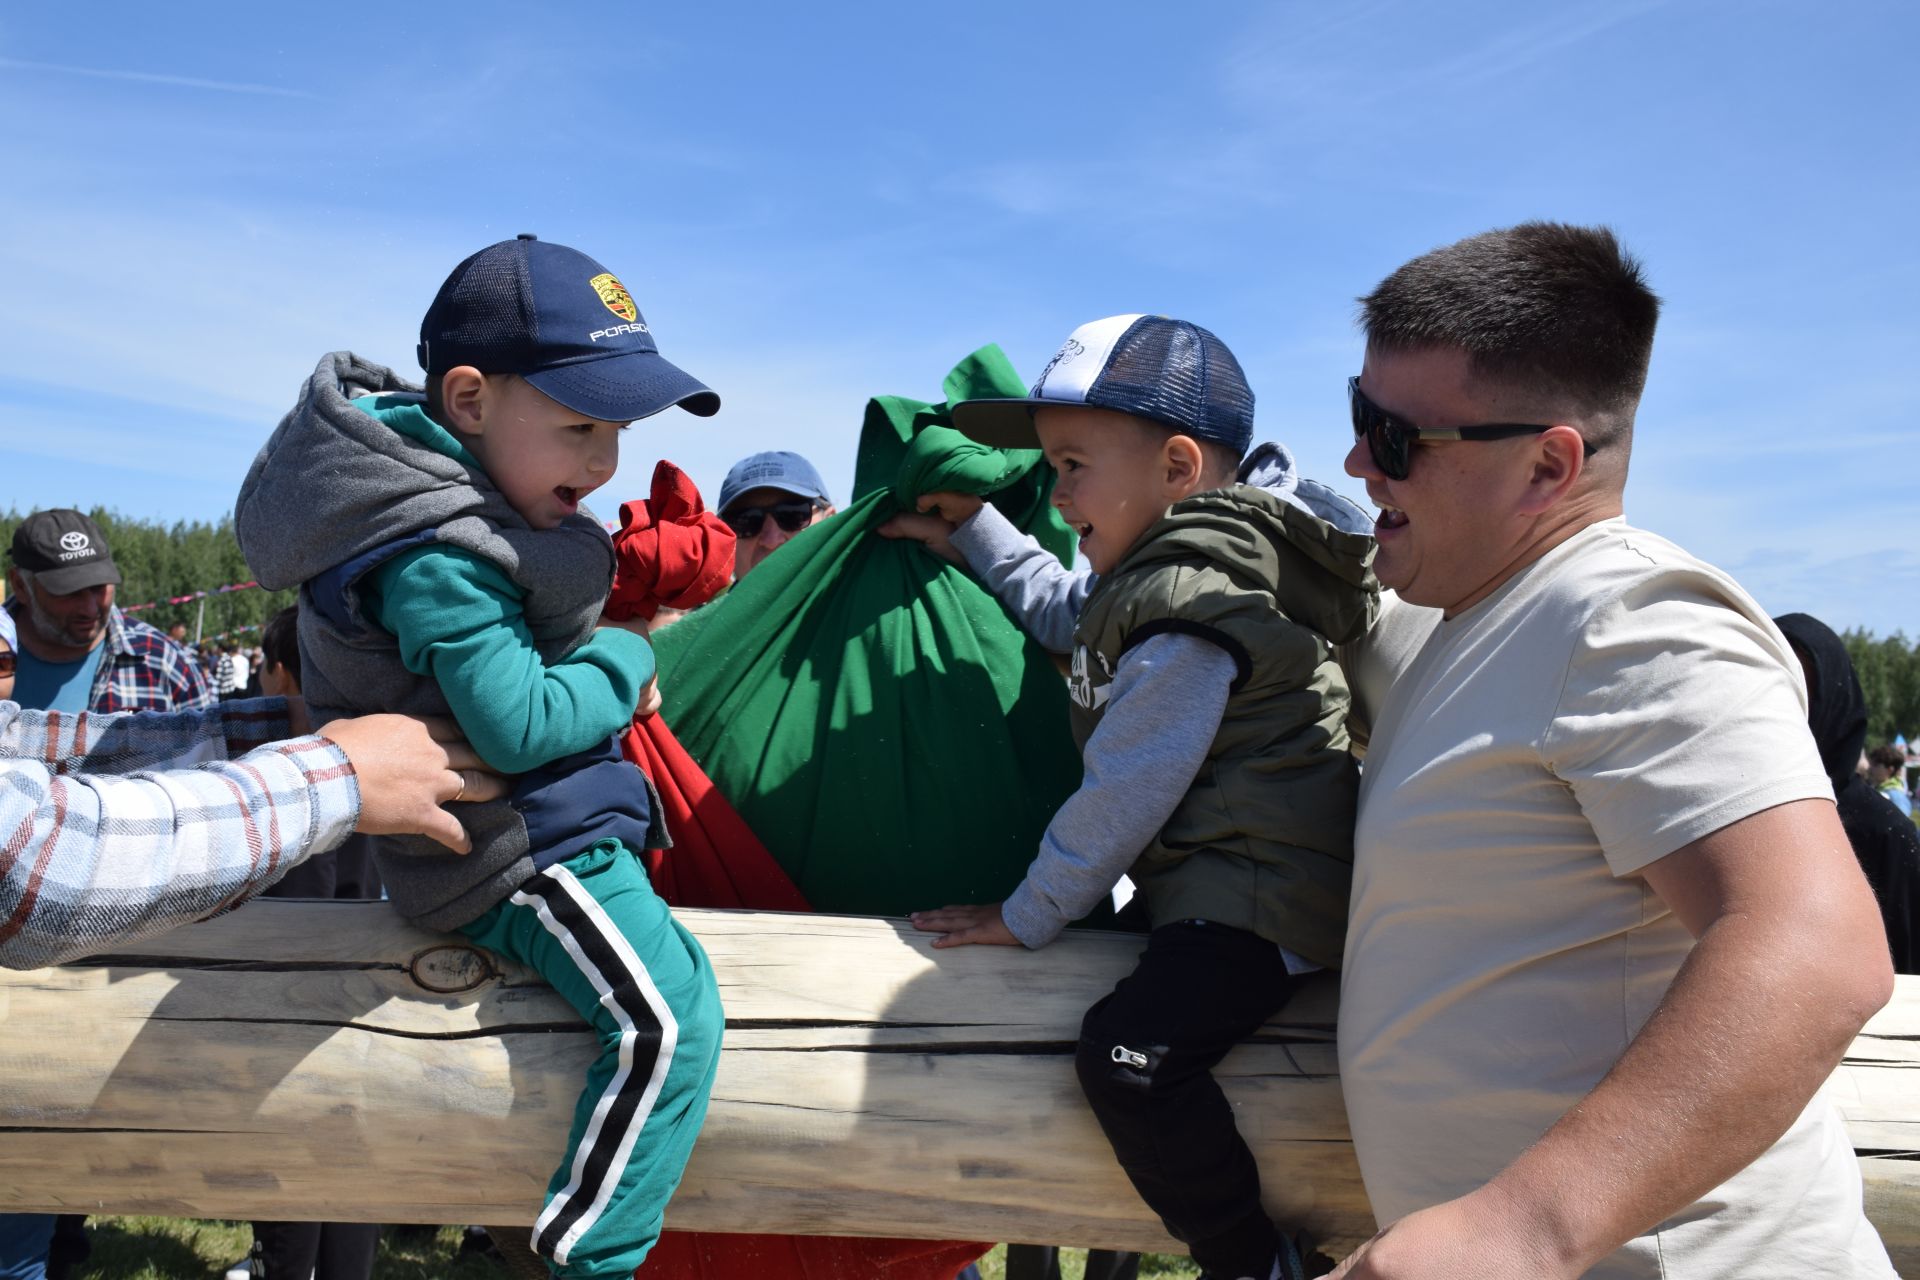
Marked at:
<point>1145,1061</point>
<point>632,1009</point>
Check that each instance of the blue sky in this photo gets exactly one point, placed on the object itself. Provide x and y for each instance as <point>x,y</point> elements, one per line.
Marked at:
<point>814,204</point>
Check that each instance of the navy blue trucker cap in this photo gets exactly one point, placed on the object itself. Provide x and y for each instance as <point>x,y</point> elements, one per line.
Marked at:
<point>776,469</point>
<point>563,322</point>
<point>1170,371</point>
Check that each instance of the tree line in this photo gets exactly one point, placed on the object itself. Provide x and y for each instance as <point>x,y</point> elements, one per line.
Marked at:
<point>159,561</point>
<point>1889,670</point>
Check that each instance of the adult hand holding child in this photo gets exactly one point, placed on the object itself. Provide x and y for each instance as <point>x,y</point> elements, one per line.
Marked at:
<point>410,768</point>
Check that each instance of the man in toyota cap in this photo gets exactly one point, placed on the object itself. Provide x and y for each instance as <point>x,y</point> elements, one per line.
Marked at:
<point>77,651</point>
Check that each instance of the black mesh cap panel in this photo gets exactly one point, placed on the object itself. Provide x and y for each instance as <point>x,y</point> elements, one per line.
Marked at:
<point>1178,374</point>
<point>482,316</point>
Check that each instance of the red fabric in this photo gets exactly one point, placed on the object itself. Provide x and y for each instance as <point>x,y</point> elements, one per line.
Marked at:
<point>670,552</point>
<point>699,1255</point>
<point>673,552</point>
<point>716,861</point>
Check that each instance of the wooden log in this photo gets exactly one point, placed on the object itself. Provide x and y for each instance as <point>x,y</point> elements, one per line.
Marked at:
<point>324,1060</point>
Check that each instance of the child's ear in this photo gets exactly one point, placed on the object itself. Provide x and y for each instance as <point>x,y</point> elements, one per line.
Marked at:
<point>463,397</point>
<point>1184,463</point>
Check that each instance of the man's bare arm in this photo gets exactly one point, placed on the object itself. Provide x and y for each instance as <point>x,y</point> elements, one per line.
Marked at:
<point>1790,962</point>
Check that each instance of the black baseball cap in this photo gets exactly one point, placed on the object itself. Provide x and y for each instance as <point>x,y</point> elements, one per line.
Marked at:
<point>1170,371</point>
<point>561,321</point>
<point>64,551</point>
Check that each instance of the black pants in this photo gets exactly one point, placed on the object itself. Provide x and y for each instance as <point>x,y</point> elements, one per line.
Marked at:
<point>1145,1060</point>
<point>322,1250</point>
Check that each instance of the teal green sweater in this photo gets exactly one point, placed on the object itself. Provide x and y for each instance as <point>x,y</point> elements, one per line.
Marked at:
<point>459,621</point>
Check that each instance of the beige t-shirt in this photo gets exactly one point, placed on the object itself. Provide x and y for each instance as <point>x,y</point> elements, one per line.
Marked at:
<point>1615,701</point>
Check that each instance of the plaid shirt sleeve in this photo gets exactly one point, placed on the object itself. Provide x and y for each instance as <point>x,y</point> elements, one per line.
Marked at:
<point>90,859</point>
<point>123,743</point>
<point>143,670</point>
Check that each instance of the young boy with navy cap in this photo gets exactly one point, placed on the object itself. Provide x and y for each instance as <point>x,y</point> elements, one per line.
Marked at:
<point>447,566</point>
<point>1211,715</point>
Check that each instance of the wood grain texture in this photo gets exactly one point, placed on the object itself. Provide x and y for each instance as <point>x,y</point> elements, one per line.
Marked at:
<point>325,1060</point>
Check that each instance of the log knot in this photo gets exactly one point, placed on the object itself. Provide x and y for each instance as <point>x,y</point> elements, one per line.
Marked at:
<point>451,968</point>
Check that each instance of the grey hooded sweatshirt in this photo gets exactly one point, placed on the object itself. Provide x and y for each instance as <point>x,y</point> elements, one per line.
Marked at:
<point>336,493</point>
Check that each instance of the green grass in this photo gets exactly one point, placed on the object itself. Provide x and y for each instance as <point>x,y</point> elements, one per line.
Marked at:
<point>184,1249</point>
<point>1073,1265</point>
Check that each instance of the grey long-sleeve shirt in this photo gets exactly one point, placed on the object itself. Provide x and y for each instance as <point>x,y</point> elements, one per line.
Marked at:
<point>1168,695</point>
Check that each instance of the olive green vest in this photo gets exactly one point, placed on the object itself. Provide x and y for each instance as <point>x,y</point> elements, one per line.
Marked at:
<point>1263,840</point>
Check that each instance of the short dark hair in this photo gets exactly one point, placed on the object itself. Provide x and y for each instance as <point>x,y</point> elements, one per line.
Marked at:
<point>1553,308</point>
<point>280,641</point>
<point>436,405</point>
<point>1888,756</point>
<point>1220,459</point>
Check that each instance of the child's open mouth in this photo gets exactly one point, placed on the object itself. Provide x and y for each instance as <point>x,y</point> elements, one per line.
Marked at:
<point>567,494</point>
<point>1084,530</point>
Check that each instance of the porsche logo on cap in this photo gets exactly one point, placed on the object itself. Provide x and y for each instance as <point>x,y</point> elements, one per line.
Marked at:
<point>615,296</point>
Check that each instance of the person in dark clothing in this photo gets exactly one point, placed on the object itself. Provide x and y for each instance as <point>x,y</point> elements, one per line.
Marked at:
<point>322,1250</point>
<point>1883,838</point>
<point>348,872</point>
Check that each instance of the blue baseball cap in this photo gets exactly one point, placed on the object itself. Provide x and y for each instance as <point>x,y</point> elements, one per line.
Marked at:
<point>561,321</point>
<point>1169,371</point>
<point>779,469</point>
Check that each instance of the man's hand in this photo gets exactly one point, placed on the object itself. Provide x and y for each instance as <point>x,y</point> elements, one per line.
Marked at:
<point>407,769</point>
<point>963,925</point>
<point>1464,1239</point>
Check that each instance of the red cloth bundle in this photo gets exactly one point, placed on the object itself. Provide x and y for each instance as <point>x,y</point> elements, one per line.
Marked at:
<point>697,1255</point>
<point>671,552</point>
<point>716,860</point>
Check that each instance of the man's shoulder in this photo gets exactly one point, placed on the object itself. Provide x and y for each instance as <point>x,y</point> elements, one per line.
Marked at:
<point>1611,564</point>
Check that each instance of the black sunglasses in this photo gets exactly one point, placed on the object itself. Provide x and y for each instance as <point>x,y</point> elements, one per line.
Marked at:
<point>792,517</point>
<point>1391,441</point>
<point>6,663</point>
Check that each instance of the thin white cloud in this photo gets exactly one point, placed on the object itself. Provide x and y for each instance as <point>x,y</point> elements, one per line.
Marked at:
<point>153,77</point>
<point>1527,45</point>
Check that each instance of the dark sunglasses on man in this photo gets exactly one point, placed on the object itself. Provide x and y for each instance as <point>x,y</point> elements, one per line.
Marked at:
<point>1390,440</point>
<point>792,516</point>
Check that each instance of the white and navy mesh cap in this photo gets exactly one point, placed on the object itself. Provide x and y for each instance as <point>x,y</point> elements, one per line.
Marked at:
<point>1170,371</point>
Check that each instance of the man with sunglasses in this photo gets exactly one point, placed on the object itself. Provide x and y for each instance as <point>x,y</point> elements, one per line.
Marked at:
<point>1607,938</point>
<point>765,500</point>
<point>9,639</point>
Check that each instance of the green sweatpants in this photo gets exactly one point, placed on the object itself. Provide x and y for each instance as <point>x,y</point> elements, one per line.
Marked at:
<point>593,927</point>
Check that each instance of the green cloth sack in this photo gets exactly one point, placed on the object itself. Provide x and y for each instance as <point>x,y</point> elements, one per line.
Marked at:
<point>875,715</point>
